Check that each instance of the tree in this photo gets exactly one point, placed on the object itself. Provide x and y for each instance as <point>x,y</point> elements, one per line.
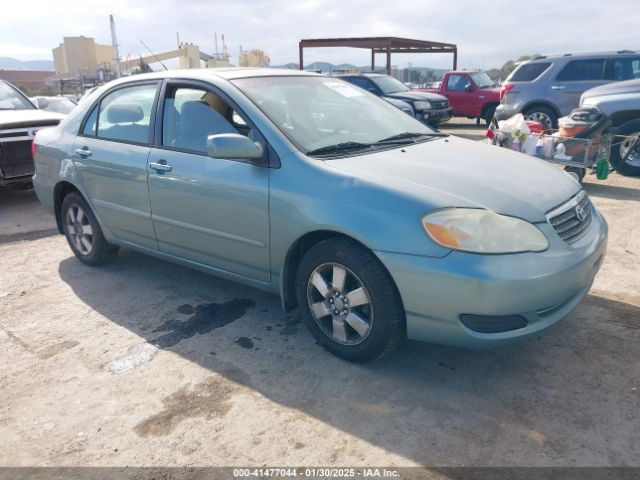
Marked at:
<point>144,67</point>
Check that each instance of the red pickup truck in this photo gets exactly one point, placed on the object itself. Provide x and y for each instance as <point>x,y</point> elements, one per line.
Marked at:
<point>470,94</point>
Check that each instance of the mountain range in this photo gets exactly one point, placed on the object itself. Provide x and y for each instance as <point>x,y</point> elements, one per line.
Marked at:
<point>8,63</point>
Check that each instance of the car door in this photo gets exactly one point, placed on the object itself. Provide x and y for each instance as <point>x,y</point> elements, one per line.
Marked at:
<point>207,210</point>
<point>459,98</point>
<point>111,154</point>
<point>573,80</point>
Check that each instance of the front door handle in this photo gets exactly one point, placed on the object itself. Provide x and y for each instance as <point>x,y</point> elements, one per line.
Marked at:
<point>83,152</point>
<point>558,87</point>
<point>160,166</point>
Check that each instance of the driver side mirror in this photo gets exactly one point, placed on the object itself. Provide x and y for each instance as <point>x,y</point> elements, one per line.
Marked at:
<point>468,87</point>
<point>41,103</point>
<point>233,146</point>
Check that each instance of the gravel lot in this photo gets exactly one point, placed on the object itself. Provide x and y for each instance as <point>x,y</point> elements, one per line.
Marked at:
<point>143,362</point>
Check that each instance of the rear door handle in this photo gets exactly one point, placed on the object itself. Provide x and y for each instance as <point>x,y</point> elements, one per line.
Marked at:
<point>558,87</point>
<point>83,152</point>
<point>160,166</point>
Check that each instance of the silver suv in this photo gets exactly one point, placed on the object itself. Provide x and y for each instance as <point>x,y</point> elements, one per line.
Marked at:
<point>547,87</point>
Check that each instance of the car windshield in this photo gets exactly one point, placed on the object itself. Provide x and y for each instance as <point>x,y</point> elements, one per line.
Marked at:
<point>11,99</point>
<point>482,80</point>
<point>327,116</point>
<point>390,85</point>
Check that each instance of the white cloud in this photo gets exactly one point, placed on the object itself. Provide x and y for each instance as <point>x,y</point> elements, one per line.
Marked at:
<point>487,33</point>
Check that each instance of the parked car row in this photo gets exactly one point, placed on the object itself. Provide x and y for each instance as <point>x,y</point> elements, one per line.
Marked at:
<point>548,87</point>
<point>430,108</point>
<point>374,225</point>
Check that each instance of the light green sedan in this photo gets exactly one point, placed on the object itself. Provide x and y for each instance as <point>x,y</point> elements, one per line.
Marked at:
<point>373,225</point>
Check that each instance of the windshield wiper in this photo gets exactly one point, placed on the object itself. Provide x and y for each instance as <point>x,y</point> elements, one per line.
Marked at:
<point>410,136</point>
<point>339,147</point>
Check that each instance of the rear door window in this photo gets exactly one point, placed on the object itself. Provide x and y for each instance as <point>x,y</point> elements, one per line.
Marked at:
<point>626,68</point>
<point>528,72</point>
<point>582,70</point>
<point>125,114</point>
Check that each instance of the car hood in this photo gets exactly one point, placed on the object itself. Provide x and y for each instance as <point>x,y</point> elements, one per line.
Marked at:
<point>414,96</point>
<point>455,172</point>
<point>31,117</point>
<point>628,86</point>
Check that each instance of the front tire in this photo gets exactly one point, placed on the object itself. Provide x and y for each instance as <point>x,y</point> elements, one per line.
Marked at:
<point>632,166</point>
<point>348,301</point>
<point>83,232</point>
<point>489,114</point>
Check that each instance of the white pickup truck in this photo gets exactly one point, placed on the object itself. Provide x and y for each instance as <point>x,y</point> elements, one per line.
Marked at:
<point>20,120</point>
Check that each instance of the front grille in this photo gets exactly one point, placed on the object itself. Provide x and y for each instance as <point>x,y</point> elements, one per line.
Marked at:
<point>15,159</point>
<point>438,105</point>
<point>572,220</point>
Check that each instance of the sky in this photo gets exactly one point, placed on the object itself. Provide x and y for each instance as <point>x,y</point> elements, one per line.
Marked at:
<point>487,32</point>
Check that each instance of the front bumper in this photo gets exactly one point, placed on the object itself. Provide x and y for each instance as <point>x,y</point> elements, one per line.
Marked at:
<point>543,287</point>
<point>434,117</point>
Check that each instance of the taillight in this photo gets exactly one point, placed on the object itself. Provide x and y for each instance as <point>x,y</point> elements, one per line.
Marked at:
<point>505,88</point>
<point>34,147</point>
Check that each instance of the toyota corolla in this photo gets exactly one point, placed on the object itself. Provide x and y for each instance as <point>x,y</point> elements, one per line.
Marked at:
<point>376,227</point>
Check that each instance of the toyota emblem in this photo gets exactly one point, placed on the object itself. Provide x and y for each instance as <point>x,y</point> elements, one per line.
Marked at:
<point>580,214</point>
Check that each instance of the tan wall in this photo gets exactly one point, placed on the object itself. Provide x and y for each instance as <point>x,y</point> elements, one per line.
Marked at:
<point>80,54</point>
<point>104,54</point>
<point>60,61</point>
<point>254,58</point>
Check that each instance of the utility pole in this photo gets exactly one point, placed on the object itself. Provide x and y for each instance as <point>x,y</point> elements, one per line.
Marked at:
<point>114,46</point>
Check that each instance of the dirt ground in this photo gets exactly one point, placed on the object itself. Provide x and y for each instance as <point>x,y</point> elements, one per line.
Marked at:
<point>143,362</point>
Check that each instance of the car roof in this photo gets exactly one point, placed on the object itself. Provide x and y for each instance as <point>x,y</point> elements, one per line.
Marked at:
<point>223,73</point>
<point>569,56</point>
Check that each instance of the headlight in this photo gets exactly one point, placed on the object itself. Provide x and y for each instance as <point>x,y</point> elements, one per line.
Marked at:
<point>482,231</point>
<point>422,105</point>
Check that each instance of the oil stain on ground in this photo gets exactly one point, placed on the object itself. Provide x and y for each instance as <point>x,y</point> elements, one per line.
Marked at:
<point>245,342</point>
<point>203,319</point>
<point>208,398</point>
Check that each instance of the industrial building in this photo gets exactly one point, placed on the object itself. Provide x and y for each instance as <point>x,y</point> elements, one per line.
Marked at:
<point>82,56</point>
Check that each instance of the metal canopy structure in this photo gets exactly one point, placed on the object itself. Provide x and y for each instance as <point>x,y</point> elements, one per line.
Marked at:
<point>387,45</point>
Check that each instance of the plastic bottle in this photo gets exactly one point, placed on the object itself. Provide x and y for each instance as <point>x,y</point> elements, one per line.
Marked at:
<point>516,144</point>
<point>540,147</point>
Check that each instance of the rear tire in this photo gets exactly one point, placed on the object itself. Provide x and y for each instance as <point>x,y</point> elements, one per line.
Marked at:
<point>546,116</point>
<point>348,301</point>
<point>83,232</point>
<point>617,151</point>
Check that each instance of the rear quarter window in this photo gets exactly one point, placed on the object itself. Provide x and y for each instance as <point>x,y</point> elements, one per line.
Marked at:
<point>581,70</point>
<point>528,72</point>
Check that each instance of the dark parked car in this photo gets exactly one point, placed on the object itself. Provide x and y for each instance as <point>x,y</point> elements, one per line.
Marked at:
<point>430,108</point>
<point>20,120</point>
<point>548,87</point>
<point>620,101</point>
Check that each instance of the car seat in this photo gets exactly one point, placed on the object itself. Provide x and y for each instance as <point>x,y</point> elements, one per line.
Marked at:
<point>197,122</point>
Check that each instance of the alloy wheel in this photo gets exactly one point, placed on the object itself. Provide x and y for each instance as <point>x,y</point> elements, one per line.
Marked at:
<point>541,118</point>
<point>340,304</point>
<point>79,229</point>
<point>634,156</point>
